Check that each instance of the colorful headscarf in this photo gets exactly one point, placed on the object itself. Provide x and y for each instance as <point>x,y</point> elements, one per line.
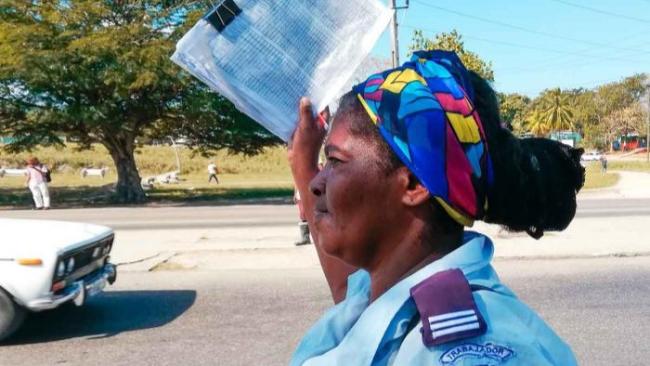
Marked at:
<point>424,111</point>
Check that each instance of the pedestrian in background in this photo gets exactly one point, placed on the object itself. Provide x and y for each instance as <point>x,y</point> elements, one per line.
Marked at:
<point>303,227</point>
<point>603,164</point>
<point>212,172</point>
<point>37,179</point>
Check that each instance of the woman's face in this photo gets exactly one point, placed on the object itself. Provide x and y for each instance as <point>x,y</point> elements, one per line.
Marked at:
<point>356,201</point>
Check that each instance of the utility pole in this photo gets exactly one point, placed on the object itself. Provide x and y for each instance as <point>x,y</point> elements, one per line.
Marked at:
<point>647,136</point>
<point>393,30</point>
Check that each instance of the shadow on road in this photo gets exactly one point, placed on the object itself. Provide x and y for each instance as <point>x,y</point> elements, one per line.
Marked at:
<point>106,315</point>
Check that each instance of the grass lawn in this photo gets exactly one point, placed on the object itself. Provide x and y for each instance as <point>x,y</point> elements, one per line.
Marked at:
<point>70,190</point>
<point>242,177</point>
<point>594,178</point>
<point>152,160</point>
<point>632,165</point>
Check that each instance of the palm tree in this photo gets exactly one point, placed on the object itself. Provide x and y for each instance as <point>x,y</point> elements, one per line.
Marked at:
<point>537,125</point>
<point>555,110</point>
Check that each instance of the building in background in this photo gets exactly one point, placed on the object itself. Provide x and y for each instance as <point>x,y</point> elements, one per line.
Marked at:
<point>629,142</point>
<point>570,138</point>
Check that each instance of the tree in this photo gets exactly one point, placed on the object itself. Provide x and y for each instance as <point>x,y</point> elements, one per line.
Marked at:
<point>453,41</point>
<point>631,119</point>
<point>537,124</point>
<point>612,105</point>
<point>513,108</point>
<point>588,108</point>
<point>619,95</point>
<point>99,72</point>
<point>550,111</point>
<point>555,109</point>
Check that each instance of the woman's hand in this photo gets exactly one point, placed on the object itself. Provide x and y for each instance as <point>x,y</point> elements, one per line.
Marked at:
<point>304,147</point>
<point>306,141</point>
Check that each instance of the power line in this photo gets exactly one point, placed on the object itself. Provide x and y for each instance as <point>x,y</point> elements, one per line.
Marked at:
<point>570,65</point>
<point>595,59</point>
<point>605,12</point>
<point>601,82</point>
<point>522,46</point>
<point>520,28</point>
<point>546,61</point>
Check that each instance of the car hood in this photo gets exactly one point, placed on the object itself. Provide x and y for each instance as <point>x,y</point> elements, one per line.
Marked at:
<point>47,234</point>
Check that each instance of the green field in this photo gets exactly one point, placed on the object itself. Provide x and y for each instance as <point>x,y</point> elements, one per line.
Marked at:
<point>259,177</point>
<point>154,160</point>
<point>632,165</point>
<point>595,178</point>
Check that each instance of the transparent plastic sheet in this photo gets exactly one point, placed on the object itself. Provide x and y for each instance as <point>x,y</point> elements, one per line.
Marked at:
<point>276,51</point>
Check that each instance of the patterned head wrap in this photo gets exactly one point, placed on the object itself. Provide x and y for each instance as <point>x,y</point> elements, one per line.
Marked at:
<point>424,111</point>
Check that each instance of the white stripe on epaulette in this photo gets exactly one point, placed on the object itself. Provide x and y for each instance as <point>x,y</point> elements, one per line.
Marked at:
<point>458,329</point>
<point>457,321</point>
<point>455,314</point>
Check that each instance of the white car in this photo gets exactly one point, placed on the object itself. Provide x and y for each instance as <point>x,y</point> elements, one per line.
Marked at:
<point>591,156</point>
<point>44,264</point>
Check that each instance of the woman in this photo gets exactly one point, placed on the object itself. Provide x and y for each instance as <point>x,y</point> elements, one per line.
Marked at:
<point>36,181</point>
<point>413,155</point>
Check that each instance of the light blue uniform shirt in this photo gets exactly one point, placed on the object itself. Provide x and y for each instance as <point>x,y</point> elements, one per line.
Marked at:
<point>388,331</point>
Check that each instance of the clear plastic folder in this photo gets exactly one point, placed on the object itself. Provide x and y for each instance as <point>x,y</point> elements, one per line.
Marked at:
<point>263,55</point>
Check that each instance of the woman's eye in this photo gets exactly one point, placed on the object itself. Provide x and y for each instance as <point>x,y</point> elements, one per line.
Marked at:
<point>332,160</point>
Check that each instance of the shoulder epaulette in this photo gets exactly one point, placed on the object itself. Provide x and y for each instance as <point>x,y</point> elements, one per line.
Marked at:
<point>447,308</point>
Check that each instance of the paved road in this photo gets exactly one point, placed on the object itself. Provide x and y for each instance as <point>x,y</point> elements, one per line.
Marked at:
<point>188,217</point>
<point>613,207</point>
<point>602,227</point>
<point>600,306</point>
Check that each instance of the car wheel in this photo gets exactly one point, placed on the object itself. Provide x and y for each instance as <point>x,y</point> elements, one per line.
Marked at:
<point>11,315</point>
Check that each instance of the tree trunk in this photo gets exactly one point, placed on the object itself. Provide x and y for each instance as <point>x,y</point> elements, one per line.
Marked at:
<point>128,188</point>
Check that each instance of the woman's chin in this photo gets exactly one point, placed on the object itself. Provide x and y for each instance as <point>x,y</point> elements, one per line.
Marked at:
<point>329,245</point>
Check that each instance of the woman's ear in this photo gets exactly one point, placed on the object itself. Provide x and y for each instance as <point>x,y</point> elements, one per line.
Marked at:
<point>414,193</point>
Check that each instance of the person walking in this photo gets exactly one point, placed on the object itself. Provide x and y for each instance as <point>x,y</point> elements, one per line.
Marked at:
<point>303,227</point>
<point>603,164</point>
<point>37,177</point>
<point>212,172</point>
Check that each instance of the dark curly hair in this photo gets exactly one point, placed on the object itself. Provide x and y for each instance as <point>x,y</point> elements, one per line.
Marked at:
<point>535,179</point>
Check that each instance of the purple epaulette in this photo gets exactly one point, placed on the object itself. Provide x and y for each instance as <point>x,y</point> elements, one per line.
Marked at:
<point>447,308</point>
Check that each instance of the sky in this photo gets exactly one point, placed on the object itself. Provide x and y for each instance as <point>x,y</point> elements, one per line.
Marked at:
<point>538,44</point>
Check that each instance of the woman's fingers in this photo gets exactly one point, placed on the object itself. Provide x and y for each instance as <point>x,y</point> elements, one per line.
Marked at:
<point>306,141</point>
<point>309,122</point>
<point>306,113</point>
<point>309,132</point>
<point>305,121</point>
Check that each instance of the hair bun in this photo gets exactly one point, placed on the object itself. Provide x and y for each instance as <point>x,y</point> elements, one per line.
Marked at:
<point>535,179</point>
<point>536,182</point>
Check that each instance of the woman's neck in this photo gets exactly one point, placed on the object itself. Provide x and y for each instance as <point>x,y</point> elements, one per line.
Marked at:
<point>401,258</point>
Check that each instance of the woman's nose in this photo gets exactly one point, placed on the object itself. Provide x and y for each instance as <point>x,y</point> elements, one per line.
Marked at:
<point>317,185</point>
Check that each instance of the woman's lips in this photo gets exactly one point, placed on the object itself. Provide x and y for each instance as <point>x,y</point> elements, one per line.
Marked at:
<point>320,210</point>
<point>320,207</point>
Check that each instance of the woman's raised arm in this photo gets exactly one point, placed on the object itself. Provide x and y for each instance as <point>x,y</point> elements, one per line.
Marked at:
<point>303,151</point>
